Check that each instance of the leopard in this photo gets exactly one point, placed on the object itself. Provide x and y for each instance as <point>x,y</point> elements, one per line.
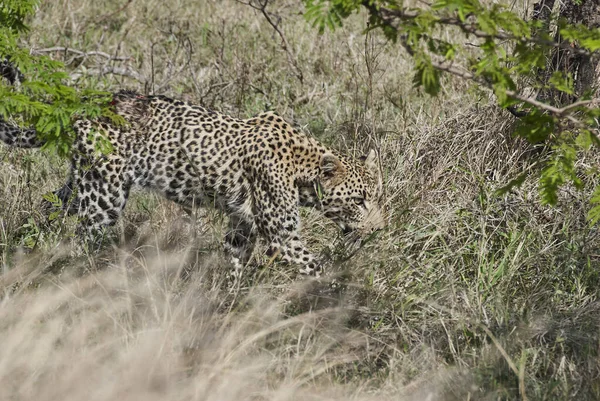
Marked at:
<point>259,171</point>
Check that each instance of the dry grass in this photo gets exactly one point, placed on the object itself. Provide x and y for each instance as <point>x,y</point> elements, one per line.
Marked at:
<point>466,295</point>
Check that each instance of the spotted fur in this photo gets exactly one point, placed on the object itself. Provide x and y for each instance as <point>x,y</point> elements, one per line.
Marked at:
<point>257,170</point>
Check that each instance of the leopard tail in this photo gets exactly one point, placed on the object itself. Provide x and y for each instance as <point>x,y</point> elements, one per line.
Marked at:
<point>14,135</point>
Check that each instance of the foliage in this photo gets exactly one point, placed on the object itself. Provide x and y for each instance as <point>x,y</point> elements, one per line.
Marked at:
<point>510,53</point>
<point>44,99</point>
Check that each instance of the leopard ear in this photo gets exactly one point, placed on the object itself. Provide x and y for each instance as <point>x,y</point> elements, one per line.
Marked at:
<point>331,166</point>
<point>370,161</point>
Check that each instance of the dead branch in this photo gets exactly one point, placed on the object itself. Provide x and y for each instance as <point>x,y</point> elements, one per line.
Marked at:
<point>110,15</point>
<point>107,69</point>
<point>261,5</point>
<point>80,54</point>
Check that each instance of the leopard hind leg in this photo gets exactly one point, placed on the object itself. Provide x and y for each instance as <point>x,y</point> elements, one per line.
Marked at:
<point>100,199</point>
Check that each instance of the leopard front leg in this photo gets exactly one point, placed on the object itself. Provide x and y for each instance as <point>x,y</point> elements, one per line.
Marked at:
<point>278,221</point>
<point>294,251</point>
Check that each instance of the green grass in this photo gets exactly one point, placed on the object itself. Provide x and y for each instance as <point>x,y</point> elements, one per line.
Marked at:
<point>465,295</point>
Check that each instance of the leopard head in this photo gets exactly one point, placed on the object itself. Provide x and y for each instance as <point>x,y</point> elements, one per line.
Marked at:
<point>351,192</point>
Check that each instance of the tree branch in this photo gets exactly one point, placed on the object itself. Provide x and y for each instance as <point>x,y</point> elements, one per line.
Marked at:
<point>79,53</point>
<point>393,17</point>
<point>262,7</point>
<point>563,112</point>
<point>103,70</point>
<point>110,15</point>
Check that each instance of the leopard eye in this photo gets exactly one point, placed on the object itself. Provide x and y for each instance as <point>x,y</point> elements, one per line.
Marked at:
<point>359,201</point>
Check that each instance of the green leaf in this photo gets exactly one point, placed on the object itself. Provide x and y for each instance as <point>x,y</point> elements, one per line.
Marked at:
<point>585,139</point>
<point>515,182</point>
<point>561,82</point>
<point>103,144</point>
<point>593,215</point>
<point>536,127</point>
<point>54,215</point>
<point>587,38</point>
<point>427,76</point>
<point>559,170</point>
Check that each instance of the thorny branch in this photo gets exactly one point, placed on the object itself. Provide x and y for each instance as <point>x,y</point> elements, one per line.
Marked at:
<point>392,17</point>
<point>261,5</point>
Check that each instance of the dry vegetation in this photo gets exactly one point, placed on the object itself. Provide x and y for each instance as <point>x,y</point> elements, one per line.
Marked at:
<point>466,295</point>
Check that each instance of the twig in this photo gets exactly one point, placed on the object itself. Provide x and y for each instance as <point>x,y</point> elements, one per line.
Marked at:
<point>572,106</point>
<point>390,17</point>
<point>151,83</point>
<point>107,16</point>
<point>262,7</point>
<point>449,68</point>
<point>559,112</point>
<point>79,53</point>
<point>306,97</point>
<point>186,44</point>
<point>103,70</point>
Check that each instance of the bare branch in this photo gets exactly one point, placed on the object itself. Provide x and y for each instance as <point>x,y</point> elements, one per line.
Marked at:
<point>79,53</point>
<point>107,16</point>
<point>262,7</point>
<point>103,70</point>
<point>99,70</point>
